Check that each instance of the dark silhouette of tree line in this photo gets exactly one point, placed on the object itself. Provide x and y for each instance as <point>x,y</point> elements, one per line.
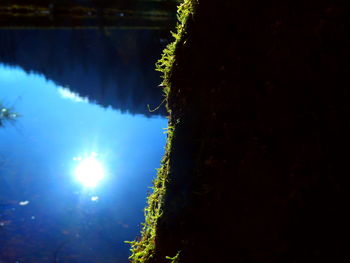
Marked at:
<point>113,68</point>
<point>87,13</point>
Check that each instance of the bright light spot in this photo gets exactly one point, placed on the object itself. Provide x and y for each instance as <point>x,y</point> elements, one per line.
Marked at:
<point>23,203</point>
<point>94,198</point>
<point>67,94</point>
<point>89,171</point>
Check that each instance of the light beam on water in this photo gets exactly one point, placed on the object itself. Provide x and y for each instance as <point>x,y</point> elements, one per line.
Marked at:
<point>89,171</point>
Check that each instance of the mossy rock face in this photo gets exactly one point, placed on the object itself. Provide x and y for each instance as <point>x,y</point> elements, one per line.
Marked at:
<point>145,248</point>
<point>258,94</point>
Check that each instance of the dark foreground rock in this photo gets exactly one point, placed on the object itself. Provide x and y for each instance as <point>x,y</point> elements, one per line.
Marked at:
<point>260,161</point>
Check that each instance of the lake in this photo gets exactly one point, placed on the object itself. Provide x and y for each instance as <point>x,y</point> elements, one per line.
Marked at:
<point>76,166</point>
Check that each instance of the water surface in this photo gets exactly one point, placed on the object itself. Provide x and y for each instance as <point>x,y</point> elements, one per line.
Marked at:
<point>46,214</point>
<point>110,67</point>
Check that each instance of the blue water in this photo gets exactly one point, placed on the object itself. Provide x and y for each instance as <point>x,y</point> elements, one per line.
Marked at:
<point>46,214</point>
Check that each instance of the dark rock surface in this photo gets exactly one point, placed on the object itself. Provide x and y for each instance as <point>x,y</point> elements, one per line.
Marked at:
<point>259,168</point>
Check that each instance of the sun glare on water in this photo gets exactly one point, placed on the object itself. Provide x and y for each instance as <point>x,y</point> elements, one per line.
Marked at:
<point>89,171</point>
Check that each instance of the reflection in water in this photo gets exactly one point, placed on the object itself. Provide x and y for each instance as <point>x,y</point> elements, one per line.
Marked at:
<point>45,215</point>
<point>89,171</point>
<point>113,68</point>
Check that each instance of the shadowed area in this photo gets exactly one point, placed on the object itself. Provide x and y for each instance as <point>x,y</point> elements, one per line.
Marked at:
<point>257,169</point>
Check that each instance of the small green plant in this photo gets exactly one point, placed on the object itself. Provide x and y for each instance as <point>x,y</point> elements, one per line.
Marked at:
<point>175,259</point>
<point>6,115</point>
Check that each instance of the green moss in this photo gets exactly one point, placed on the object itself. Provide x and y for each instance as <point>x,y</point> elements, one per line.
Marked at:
<point>144,248</point>
<point>165,64</point>
<point>175,259</point>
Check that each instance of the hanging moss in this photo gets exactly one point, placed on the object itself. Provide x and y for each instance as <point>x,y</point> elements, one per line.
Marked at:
<point>143,249</point>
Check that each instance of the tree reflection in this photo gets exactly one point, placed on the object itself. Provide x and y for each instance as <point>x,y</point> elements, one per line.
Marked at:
<point>114,68</point>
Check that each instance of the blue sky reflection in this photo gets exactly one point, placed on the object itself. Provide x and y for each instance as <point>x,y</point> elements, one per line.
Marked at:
<point>39,155</point>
